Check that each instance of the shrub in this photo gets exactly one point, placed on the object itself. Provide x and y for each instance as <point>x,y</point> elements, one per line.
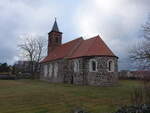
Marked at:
<point>137,96</point>
<point>79,110</point>
<point>7,77</point>
<point>144,108</point>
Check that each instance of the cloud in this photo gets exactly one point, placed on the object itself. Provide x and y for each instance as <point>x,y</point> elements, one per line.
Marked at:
<point>118,22</point>
<point>19,17</point>
<point>31,16</point>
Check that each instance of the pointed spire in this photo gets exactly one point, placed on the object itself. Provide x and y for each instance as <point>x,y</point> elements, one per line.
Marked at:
<point>55,26</point>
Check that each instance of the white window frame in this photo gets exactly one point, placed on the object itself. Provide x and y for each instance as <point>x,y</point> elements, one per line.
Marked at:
<point>90,65</point>
<point>112,67</point>
<point>55,70</point>
<point>50,70</point>
<point>76,66</point>
<point>45,70</point>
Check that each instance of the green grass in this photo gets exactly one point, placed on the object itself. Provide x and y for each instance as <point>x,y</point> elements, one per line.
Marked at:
<point>34,96</point>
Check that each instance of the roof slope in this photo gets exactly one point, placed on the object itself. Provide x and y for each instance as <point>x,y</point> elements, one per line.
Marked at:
<point>93,47</point>
<point>63,50</point>
<point>78,48</point>
<point>55,26</point>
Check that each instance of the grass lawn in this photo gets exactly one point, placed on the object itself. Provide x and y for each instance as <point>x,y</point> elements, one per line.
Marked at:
<point>34,96</point>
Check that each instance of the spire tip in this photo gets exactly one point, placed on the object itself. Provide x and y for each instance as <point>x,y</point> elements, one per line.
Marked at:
<point>55,26</point>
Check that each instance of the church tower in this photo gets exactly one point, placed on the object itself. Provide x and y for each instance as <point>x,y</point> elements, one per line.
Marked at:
<point>54,38</point>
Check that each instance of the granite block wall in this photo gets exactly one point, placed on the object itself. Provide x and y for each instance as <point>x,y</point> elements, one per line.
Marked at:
<point>66,73</point>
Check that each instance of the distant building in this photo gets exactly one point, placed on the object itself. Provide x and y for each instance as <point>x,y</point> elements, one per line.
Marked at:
<point>86,62</point>
<point>23,66</point>
<point>139,74</point>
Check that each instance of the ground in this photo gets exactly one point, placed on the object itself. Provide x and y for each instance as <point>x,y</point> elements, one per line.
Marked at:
<point>34,96</point>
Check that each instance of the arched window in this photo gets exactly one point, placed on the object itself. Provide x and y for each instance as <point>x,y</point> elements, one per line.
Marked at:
<point>93,65</point>
<point>110,66</point>
<point>76,66</point>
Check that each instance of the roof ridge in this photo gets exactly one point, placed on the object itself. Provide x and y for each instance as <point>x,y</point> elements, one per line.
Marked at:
<point>92,37</point>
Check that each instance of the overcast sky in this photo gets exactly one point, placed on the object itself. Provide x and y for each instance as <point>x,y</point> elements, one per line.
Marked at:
<point>118,22</point>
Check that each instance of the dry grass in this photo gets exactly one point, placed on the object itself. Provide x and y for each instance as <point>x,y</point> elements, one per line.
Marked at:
<point>4,73</point>
<point>33,96</point>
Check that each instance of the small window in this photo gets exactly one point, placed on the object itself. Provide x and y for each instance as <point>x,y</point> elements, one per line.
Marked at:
<point>93,65</point>
<point>110,66</point>
<point>76,66</point>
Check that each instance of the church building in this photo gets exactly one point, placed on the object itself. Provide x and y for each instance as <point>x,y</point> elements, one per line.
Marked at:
<point>82,62</point>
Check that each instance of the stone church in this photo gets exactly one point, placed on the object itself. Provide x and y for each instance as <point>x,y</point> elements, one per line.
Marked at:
<point>83,62</point>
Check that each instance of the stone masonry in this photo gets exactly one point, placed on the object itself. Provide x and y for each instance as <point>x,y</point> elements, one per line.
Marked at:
<point>66,74</point>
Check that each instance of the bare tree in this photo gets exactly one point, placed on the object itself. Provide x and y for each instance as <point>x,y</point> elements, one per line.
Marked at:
<point>32,48</point>
<point>140,53</point>
<point>146,30</point>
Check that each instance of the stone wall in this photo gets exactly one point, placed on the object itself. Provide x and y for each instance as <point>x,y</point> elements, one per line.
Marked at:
<point>100,78</point>
<point>66,72</point>
<point>56,79</point>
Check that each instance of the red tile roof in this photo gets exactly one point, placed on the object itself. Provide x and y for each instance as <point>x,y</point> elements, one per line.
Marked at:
<point>92,47</point>
<point>78,48</point>
<point>62,51</point>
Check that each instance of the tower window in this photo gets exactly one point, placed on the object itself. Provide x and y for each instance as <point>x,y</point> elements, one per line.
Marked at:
<point>57,39</point>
